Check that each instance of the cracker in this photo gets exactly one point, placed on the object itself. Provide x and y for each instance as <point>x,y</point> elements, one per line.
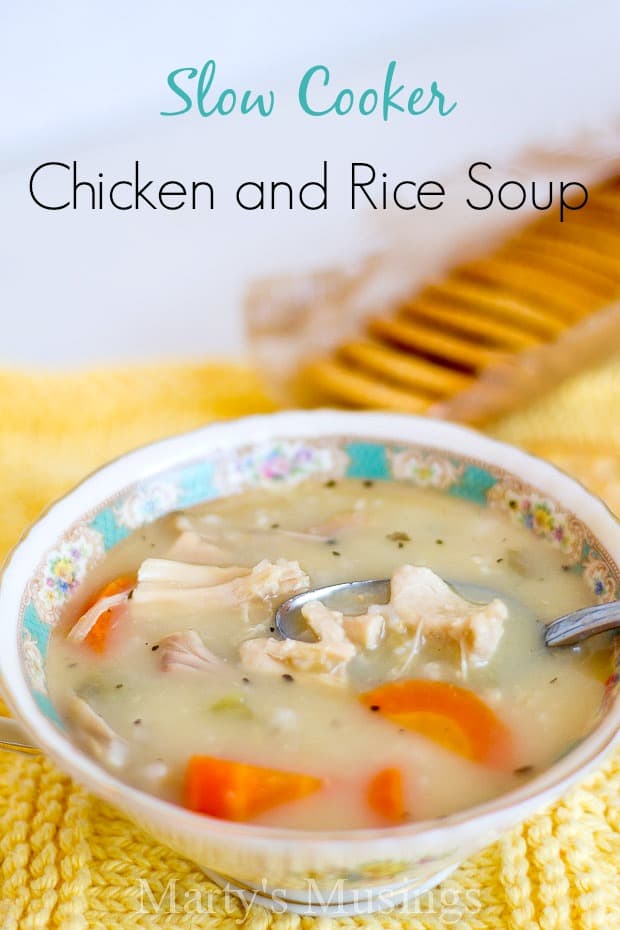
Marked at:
<point>345,385</point>
<point>455,351</point>
<point>475,323</point>
<point>541,287</point>
<point>580,249</point>
<point>454,292</point>
<point>557,257</point>
<point>525,298</point>
<point>394,364</point>
<point>565,282</point>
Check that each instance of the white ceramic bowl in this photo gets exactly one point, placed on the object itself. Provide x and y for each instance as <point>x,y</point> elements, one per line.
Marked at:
<point>353,870</point>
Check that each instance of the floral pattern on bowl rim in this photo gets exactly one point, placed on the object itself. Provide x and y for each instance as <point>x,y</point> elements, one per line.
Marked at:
<point>146,503</point>
<point>540,515</point>
<point>284,462</point>
<point>64,570</point>
<point>425,469</point>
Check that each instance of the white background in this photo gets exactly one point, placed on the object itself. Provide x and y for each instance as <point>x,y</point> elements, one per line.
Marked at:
<point>86,81</point>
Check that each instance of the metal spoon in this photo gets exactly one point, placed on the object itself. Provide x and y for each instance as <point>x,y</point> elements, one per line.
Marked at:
<point>581,624</point>
<point>354,596</point>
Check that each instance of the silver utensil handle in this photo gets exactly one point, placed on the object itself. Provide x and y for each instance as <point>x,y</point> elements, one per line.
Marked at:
<point>579,625</point>
<point>13,738</point>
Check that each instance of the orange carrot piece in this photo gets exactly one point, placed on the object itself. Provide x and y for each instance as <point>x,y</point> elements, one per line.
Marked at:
<point>239,791</point>
<point>452,716</point>
<point>99,636</point>
<point>385,795</point>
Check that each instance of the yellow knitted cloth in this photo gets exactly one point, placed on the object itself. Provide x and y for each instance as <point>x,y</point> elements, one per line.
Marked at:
<point>69,862</point>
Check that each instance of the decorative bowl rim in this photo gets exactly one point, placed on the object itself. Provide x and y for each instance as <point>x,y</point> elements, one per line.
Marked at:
<point>155,458</point>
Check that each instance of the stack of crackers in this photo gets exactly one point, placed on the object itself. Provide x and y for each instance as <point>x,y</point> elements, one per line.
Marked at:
<point>495,330</point>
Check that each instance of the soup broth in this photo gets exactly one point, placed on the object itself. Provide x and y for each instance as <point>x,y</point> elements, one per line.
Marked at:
<point>176,678</point>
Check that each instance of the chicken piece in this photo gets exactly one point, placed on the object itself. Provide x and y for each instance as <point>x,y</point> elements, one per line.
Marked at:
<point>186,650</point>
<point>328,655</point>
<point>255,655</point>
<point>208,586</point>
<point>187,575</point>
<point>338,639</point>
<point>80,630</point>
<point>270,580</point>
<point>422,601</point>
<point>96,735</point>
<point>164,580</point>
<point>229,534</point>
<point>325,623</point>
<point>366,630</point>
<point>278,656</point>
<point>486,628</point>
<point>191,547</point>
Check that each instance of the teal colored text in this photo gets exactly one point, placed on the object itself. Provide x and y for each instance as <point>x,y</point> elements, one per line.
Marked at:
<point>319,94</point>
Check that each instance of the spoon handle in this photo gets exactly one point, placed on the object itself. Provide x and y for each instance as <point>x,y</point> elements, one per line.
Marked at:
<point>13,738</point>
<point>579,625</point>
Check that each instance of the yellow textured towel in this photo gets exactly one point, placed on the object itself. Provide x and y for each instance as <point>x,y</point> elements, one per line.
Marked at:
<point>68,861</point>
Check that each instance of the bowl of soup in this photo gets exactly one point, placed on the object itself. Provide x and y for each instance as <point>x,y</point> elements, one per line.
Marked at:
<point>359,764</point>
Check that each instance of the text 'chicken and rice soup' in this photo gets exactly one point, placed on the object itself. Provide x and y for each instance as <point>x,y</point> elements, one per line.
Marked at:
<point>170,671</point>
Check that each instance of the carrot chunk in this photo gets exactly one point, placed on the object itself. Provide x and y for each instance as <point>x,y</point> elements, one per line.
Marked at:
<point>239,791</point>
<point>452,716</point>
<point>98,638</point>
<point>385,795</point>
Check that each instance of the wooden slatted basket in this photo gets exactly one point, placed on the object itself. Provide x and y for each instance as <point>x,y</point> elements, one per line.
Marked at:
<point>495,331</point>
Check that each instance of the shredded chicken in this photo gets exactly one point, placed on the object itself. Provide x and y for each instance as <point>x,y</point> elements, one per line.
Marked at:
<point>191,547</point>
<point>256,656</point>
<point>421,601</point>
<point>207,586</point>
<point>328,655</point>
<point>277,656</point>
<point>186,650</point>
<point>325,623</point>
<point>98,737</point>
<point>421,604</point>
<point>269,580</point>
<point>186,575</point>
<point>161,580</point>
<point>365,630</point>
<point>237,535</point>
<point>80,630</point>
